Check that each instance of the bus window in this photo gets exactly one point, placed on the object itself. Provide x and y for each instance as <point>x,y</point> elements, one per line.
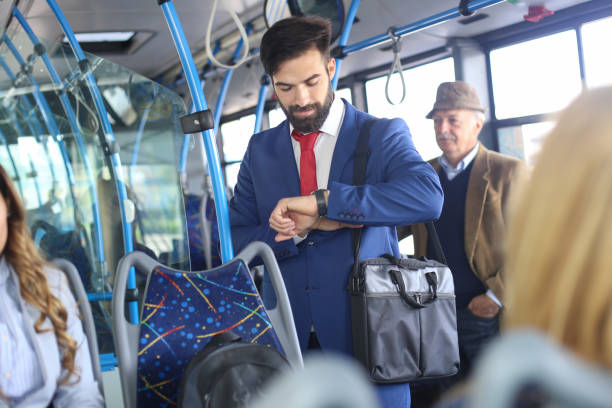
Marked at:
<point>597,55</point>
<point>536,76</point>
<point>523,141</point>
<point>421,85</point>
<point>236,135</point>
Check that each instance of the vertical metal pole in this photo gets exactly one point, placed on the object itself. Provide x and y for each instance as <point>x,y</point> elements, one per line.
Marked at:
<point>348,25</point>
<point>195,87</point>
<point>128,243</point>
<point>225,85</point>
<point>141,125</point>
<point>261,102</point>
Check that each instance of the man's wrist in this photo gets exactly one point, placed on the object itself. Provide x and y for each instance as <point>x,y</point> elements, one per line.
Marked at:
<point>321,199</point>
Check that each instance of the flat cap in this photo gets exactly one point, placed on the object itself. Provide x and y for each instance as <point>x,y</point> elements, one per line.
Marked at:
<point>456,95</point>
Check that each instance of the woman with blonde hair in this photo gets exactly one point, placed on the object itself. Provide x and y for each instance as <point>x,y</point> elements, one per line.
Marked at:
<point>44,354</point>
<point>559,248</point>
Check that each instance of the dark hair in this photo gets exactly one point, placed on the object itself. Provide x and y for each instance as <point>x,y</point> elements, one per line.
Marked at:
<point>291,37</point>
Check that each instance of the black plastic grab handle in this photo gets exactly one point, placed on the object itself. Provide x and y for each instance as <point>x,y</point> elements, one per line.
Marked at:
<point>414,301</point>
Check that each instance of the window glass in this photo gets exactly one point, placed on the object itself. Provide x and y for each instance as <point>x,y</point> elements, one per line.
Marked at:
<point>236,135</point>
<point>346,94</point>
<point>597,55</point>
<point>536,76</point>
<point>421,85</point>
<point>524,141</point>
<point>275,117</point>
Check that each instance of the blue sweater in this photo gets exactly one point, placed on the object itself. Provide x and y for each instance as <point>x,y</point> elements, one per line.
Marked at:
<point>451,230</point>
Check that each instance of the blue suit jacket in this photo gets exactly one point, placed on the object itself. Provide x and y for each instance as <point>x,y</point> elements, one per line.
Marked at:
<point>400,189</point>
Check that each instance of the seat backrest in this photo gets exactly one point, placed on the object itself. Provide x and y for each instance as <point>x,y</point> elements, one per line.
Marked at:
<point>80,296</point>
<point>527,360</point>
<point>182,310</point>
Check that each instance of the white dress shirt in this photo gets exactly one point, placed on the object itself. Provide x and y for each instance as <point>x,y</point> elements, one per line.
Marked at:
<point>20,372</point>
<point>451,173</point>
<point>323,148</point>
<point>325,143</point>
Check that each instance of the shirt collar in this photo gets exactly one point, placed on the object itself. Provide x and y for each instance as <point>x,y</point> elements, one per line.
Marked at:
<point>462,164</point>
<point>332,123</point>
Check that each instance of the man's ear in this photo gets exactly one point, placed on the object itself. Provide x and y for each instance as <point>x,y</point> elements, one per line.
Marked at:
<point>331,67</point>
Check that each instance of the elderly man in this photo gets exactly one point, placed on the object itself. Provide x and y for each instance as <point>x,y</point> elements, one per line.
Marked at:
<point>476,184</point>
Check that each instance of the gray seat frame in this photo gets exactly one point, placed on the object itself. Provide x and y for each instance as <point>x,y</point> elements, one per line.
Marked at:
<point>78,291</point>
<point>127,334</point>
<point>528,357</point>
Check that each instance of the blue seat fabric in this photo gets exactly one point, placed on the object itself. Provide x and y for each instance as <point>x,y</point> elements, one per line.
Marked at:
<point>181,312</point>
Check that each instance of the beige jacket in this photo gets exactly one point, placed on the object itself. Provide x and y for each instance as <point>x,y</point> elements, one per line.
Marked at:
<point>489,186</point>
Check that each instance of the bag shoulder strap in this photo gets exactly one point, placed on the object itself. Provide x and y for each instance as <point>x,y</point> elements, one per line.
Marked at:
<point>362,154</point>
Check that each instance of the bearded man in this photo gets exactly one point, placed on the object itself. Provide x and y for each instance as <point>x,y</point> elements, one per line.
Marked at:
<point>295,188</point>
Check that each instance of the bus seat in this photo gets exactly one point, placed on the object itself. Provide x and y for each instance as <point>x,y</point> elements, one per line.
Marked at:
<point>182,310</point>
<point>80,296</point>
<point>329,380</point>
<point>525,363</point>
<point>203,232</point>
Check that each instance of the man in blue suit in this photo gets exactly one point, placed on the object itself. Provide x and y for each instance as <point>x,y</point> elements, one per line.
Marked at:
<point>313,151</point>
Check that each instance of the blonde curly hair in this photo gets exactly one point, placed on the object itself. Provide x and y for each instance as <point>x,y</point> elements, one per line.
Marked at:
<point>29,265</point>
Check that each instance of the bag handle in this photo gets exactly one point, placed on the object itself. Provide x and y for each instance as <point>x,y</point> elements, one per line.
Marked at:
<point>222,338</point>
<point>415,300</point>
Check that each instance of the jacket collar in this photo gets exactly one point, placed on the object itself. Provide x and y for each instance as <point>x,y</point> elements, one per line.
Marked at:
<point>347,141</point>
<point>478,185</point>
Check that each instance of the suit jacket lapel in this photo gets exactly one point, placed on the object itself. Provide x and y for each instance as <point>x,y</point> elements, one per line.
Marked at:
<point>478,185</point>
<point>290,177</point>
<point>346,143</point>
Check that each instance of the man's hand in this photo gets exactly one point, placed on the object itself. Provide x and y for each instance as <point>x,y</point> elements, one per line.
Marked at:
<point>483,306</point>
<point>298,216</point>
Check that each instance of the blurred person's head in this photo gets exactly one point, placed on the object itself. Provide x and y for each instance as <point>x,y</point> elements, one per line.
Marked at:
<point>17,247</point>
<point>458,119</point>
<point>295,54</point>
<point>560,236</point>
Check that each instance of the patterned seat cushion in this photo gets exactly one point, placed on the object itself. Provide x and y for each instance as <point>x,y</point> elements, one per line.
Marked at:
<point>181,312</point>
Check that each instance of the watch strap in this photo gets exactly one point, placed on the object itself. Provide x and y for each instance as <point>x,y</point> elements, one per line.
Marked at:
<point>321,204</point>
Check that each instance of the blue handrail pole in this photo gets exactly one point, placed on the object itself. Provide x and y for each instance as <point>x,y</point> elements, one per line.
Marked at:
<point>141,126</point>
<point>195,87</point>
<point>34,124</point>
<point>261,103</point>
<point>128,243</point>
<point>346,32</point>
<point>72,119</point>
<point>12,160</point>
<point>225,85</point>
<point>185,148</point>
<point>418,26</point>
<point>182,79</point>
<point>49,121</point>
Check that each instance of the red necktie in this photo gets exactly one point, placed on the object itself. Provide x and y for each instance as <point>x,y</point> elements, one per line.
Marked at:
<point>308,166</point>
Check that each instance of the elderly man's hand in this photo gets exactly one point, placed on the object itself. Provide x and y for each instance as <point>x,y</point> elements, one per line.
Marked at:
<point>483,306</point>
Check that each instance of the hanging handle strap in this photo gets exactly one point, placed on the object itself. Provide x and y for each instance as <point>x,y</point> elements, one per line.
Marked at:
<point>396,65</point>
